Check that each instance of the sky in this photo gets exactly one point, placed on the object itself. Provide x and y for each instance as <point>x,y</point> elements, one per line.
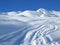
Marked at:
<point>21,5</point>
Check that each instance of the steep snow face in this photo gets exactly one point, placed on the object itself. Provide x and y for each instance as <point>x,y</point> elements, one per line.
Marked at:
<point>46,13</point>
<point>40,27</point>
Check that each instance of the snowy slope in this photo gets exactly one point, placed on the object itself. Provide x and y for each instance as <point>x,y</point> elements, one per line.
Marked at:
<point>40,27</point>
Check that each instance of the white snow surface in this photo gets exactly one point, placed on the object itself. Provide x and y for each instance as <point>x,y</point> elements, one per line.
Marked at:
<point>40,27</point>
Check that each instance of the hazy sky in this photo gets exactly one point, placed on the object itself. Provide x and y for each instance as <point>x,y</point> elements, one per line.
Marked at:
<point>21,5</point>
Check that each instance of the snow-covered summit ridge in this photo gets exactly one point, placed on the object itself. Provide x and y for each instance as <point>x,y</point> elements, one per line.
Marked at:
<point>38,13</point>
<point>28,15</point>
<point>48,13</point>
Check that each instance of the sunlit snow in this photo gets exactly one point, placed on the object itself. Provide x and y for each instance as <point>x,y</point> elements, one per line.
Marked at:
<point>40,27</point>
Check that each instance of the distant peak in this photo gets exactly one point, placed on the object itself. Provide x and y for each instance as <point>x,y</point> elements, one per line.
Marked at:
<point>41,9</point>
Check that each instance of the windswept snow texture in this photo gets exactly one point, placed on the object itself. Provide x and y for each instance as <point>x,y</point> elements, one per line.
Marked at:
<point>41,27</point>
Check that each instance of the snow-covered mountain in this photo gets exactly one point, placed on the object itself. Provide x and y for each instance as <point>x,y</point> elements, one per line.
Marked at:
<point>40,27</point>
